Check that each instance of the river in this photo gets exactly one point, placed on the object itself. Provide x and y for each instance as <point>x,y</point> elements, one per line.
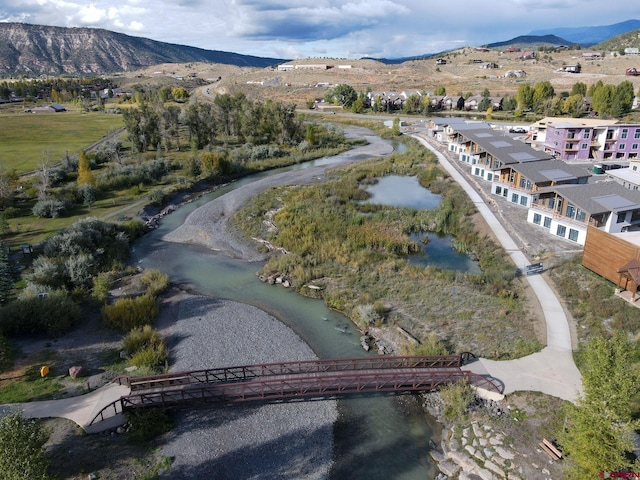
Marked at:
<point>377,437</point>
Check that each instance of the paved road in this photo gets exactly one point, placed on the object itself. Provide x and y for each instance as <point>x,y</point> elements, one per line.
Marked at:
<point>552,370</point>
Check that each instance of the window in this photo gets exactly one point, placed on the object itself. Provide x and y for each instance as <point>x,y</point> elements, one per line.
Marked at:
<point>571,134</point>
<point>621,217</point>
<point>476,172</point>
<point>623,146</point>
<point>568,146</point>
<point>505,192</point>
<point>584,146</point>
<point>586,134</point>
<point>571,211</point>
<point>561,231</point>
<point>635,215</point>
<point>537,218</point>
<point>523,200</point>
<point>637,133</point>
<point>573,234</point>
<point>625,133</point>
<point>547,222</point>
<point>489,176</point>
<point>515,197</point>
<point>498,190</point>
<point>635,168</point>
<point>580,215</point>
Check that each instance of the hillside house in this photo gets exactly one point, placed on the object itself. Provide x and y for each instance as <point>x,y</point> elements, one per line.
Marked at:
<point>527,55</point>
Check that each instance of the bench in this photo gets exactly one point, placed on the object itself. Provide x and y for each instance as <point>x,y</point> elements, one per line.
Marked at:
<point>550,449</point>
<point>534,268</point>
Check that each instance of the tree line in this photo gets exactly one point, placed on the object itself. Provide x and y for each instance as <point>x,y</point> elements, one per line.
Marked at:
<point>605,100</point>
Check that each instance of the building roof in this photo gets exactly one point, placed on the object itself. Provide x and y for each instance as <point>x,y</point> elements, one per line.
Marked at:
<point>552,170</point>
<point>504,147</point>
<point>600,197</point>
<point>560,122</point>
<point>626,175</point>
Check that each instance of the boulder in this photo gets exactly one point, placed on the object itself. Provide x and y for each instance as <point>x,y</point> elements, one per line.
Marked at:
<point>77,371</point>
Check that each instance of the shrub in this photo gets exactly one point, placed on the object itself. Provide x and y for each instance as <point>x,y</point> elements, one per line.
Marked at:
<point>22,452</point>
<point>53,314</point>
<point>154,281</point>
<point>148,424</point>
<point>456,397</point>
<point>51,208</point>
<point>146,348</point>
<point>101,285</point>
<point>128,313</point>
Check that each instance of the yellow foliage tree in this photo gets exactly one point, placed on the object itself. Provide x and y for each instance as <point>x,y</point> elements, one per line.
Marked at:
<point>84,170</point>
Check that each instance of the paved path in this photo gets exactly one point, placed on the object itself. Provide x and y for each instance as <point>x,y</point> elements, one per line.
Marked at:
<point>552,370</point>
<point>80,409</point>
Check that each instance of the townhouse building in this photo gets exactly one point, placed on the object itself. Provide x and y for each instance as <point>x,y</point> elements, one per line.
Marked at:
<point>568,210</point>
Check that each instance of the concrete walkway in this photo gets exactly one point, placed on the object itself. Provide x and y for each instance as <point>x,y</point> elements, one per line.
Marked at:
<point>552,370</point>
<point>80,409</point>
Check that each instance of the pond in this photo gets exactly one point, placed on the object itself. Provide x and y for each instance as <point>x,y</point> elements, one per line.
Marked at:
<point>438,251</point>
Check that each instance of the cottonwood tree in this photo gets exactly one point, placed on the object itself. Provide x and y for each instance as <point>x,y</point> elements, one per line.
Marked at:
<point>85,177</point>
<point>599,429</point>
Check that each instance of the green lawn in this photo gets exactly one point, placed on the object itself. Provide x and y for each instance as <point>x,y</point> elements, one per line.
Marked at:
<point>28,138</point>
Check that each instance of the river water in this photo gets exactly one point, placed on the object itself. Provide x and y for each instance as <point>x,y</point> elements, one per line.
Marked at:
<point>376,437</point>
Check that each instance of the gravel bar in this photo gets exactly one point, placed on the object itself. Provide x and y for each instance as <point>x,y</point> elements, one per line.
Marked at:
<point>242,441</point>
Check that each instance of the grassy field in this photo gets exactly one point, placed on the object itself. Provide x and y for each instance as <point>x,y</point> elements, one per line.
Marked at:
<point>27,139</point>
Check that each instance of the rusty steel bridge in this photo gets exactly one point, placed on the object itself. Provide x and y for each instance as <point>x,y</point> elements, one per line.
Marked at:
<point>289,381</point>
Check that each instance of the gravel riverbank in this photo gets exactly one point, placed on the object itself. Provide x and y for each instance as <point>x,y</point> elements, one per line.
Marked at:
<point>279,441</point>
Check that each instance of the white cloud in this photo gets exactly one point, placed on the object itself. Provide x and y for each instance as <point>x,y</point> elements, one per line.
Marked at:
<point>299,28</point>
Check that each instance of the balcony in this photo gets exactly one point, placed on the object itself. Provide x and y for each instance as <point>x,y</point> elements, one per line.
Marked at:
<point>555,214</point>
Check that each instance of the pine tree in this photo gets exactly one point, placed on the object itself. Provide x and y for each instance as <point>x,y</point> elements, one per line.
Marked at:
<point>6,273</point>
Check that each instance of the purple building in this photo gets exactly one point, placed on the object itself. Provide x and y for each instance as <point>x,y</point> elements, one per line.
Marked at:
<point>572,142</point>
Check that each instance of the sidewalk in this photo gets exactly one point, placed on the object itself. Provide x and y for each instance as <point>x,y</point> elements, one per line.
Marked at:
<point>552,370</point>
<point>80,409</point>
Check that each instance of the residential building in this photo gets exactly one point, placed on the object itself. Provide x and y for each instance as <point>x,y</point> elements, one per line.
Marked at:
<point>585,143</point>
<point>522,182</point>
<point>568,210</point>
<point>628,177</point>
<point>548,134</point>
<point>488,150</point>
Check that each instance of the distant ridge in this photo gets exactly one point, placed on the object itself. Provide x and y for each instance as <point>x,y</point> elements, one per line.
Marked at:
<point>38,49</point>
<point>531,40</point>
<point>591,35</point>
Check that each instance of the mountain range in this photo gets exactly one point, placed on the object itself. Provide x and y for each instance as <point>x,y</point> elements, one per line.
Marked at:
<point>38,49</point>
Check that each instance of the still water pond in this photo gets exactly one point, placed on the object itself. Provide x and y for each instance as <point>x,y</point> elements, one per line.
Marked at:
<point>438,251</point>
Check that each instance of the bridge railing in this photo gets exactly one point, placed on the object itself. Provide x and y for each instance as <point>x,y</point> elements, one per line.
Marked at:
<point>242,373</point>
<point>319,386</point>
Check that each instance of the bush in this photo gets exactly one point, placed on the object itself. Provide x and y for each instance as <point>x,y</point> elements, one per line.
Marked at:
<point>53,314</point>
<point>154,281</point>
<point>22,452</point>
<point>456,397</point>
<point>129,313</point>
<point>51,208</point>
<point>146,348</point>
<point>148,424</point>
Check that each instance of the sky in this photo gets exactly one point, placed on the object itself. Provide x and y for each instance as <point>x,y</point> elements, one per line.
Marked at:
<point>293,29</point>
